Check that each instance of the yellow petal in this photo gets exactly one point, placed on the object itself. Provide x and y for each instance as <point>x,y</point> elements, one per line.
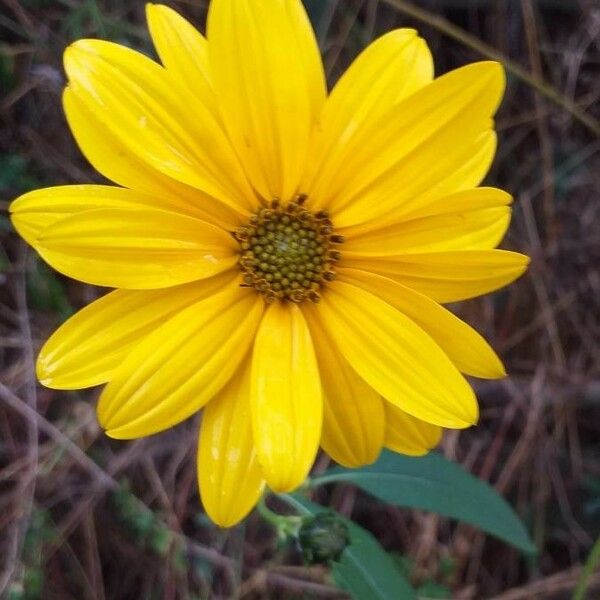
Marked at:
<point>463,345</point>
<point>473,230</point>
<point>230,479</point>
<point>33,212</point>
<point>448,276</point>
<point>178,368</point>
<point>478,198</point>
<point>183,50</point>
<point>269,79</point>
<point>136,249</point>
<point>88,348</point>
<point>111,157</point>
<point>460,171</point>
<point>387,71</point>
<point>396,357</point>
<point>421,141</point>
<point>353,419</point>
<point>428,172</point>
<point>454,173</point>
<point>151,116</point>
<point>287,408</point>
<point>464,201</point>
<point>408,435</point>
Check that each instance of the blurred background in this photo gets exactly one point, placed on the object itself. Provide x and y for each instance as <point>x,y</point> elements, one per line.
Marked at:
<point>84,517</point>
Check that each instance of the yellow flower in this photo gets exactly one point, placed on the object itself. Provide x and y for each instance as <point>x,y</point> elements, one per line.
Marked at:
<point>280,253</point>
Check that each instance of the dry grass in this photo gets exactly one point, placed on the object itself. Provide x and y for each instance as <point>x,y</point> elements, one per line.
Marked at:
<point>83,517</point>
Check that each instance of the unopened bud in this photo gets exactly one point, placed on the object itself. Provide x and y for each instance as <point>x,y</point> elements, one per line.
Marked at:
<point>323,538</point>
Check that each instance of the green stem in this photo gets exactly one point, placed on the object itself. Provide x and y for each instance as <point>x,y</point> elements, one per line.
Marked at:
<point>512,67</point>
<point>286,526</point>
<point>591,563</point>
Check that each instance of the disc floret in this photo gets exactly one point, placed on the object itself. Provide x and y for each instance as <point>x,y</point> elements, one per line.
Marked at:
<point>288,252</point>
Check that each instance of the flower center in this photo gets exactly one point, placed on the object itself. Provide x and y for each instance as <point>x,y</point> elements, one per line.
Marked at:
<point>288,252</point>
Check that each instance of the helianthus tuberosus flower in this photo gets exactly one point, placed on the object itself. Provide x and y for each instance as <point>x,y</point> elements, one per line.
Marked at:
<point>281,254</point>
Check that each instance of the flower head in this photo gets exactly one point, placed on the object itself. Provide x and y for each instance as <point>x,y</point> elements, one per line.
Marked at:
<point>280,253</point>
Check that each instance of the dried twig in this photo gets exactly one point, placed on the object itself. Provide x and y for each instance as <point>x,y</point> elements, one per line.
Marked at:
<point>476,44</point>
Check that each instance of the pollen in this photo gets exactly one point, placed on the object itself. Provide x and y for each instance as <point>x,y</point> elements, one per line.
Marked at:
<point>287,252</point>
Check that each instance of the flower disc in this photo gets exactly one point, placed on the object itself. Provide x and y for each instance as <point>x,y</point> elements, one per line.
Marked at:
<point>287,252</point>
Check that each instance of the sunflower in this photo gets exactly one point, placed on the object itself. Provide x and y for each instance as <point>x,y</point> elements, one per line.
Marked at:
<point>280,254</point>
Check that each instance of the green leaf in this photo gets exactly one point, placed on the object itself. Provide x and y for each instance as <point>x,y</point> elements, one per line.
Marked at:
<point>591,564</point>
<point>46,291</point>
<point>14,175</point>
<point>434,591</point>
<point>365,570</point>
<point>434,483</point>
<point>316,9</point>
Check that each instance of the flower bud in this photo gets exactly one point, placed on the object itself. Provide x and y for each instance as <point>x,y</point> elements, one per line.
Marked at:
<point>323,538</point>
